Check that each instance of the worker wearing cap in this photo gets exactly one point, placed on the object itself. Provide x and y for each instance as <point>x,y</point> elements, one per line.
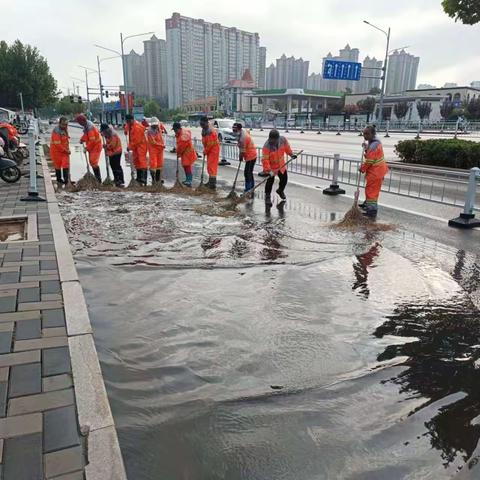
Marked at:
<point>113,150</point>
<point>375,168</point>
<point>211,149</point>
<point>248,154</point>
<point>273,160</point>
<point>137,144</point>
<point>93,143</point>
<point>60,151</point>
<point>185,151</point>
<point>156,147</point>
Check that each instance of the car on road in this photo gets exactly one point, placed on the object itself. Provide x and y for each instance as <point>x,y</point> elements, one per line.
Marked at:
<point>224,129</point>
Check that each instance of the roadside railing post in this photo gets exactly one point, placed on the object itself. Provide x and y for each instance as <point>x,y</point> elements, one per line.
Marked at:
<point>32,195</point>
<point>334,189</point>
<point>387,132</point>
<point>467,217</point>
<point>456,128</point>
<point>319,131</point>
<point>418,130</point>
<point>223,161</point>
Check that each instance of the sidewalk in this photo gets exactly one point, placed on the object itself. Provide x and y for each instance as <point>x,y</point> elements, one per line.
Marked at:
<point>55,418</point>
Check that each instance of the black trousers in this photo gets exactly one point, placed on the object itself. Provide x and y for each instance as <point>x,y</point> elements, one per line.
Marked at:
<point>283,177</point>
<point>248,173</point>
<point>116,167</point>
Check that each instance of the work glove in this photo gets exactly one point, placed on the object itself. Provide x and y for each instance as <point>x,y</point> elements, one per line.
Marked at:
<point>363,168</point>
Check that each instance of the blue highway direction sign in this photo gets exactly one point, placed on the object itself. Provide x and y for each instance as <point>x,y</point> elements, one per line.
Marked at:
<point>336,70</point>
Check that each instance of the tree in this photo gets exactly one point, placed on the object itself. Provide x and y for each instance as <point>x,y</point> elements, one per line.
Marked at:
<point>65,107</point>
<point>424,109</point>
<point>351,109</point>
<point>151,108</point>
<point>23,69</point>
<point>446,109</point>
<point>335,106</point>
<point>401,109</point>
<point>375,91</point>
<point>467,11</point>
<point>367,106</point>
<point>473,108</point>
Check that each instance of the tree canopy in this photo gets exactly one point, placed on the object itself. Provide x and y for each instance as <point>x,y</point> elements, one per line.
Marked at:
<point>467,11</point>
<point>23,69</point>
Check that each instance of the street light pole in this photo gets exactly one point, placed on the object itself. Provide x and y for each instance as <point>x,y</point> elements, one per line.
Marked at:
<point>384,76</point>
<point>21,103</point>
<point>101,88</point>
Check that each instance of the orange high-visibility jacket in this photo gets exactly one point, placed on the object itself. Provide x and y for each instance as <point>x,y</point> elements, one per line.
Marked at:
<point>136,136</point>
<point>211,144</point>
<point>92,138</point>
<point>246,146</point>
<point>155,140</point>
<point>184,147</point>
<point>60,148</point>
<point>273,156</point>
<point>113,144</point>
<point>374,160</point>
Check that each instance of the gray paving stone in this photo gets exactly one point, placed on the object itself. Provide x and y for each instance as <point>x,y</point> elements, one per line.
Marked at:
<point>48,265</point>
<point>51,297</point>
<point>31,252</point>
<point>23,458</point>
<point>40,402</point>
<point>60,429</point>
<point>13,257</point>
<point>8,293</point>
<point>4,373</point>
<point>8,269</point>
<point>42,257</point>
<point>36,278</point>
<point>6,342</point>
<point>18,286</point>
<point>55,361</point>
<point>64,461</point>
<point>50,287</point>
<point>47,248</point>
<point>25,380</point>
<point>3,398</point>
<point>20,358</point>
<point>57,382</point>
<point>28,329</point>
<point>71,476</point>
<point>8,304</point>
<point>45,238</point>
<point>22,307</point>
<point>39,343</point>
<point>31,270</point>
<point>53,318</point>
<point>23,263</point>
<point>19,316</point>
<point>54,332</point>
<point>6,326</point>
<point>29,295</point>
<point>21,425</point>
<point>10,277</point>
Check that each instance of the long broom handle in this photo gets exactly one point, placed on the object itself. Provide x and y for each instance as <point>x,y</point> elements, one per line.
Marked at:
<point>236,175</point>
<point>359,176</point>
<point>84,150</point>
<point>106,157</point>
<point>266,178</point>
<point>203,169</point>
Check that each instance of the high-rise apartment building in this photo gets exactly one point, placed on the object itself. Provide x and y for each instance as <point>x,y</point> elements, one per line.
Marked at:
<point>289,72</point>
<point>136,73</point>
<point>203,56</point>
<point>155,54</point>
<point>364,85</point>
<point>402,72</point>
<point>262,64</point>
<point>347,54</point>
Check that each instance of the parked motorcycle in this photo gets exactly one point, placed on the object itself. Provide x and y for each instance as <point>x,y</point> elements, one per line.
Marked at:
<point>9,172</point>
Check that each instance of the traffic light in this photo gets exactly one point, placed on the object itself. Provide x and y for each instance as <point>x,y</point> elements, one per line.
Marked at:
<point>72,99</point>
<point>79,99</point>
<point>106,93</point>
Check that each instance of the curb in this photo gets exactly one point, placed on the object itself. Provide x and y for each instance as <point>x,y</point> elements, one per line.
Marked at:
<point>95,418</point>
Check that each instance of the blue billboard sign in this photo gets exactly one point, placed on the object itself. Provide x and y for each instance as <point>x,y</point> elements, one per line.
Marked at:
<point>337,70</point>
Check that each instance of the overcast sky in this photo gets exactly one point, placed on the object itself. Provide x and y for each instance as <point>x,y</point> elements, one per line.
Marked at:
<point>65,32</point>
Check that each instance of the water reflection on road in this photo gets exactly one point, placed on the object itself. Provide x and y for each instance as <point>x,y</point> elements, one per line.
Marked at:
<point>370,339</point>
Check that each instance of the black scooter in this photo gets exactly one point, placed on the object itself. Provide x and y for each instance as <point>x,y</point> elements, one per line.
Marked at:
<point>9,172</point>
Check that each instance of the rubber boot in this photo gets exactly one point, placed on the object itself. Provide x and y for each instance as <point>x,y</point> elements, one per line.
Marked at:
<point>282,195</point>
<point>188,180</point>
<point>268,200</point>
<point>212,183</point>
<point>142,176</point>
<point>370,212</point>
<point>58,174</point>
<point>98,175</point>
<point>66,176</point>
<point>158,176</point>
<point>154,178</point>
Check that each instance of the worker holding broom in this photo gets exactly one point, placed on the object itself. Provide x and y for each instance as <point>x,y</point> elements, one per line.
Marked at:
<point>113,150</point>
<point>185,151</point>
<point>156,147</point>
<point>60,151</point>
<point>248,153</point>
<point>273,160</point>
<point>211,149</point>
<point>375,168</point>
<point>93,143</point>
<point>137,144</point>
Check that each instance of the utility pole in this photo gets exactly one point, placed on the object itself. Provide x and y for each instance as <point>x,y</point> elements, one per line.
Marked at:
<point>124,68</point>
<point>101,87</point>
<point>21,103</point>
<point>88,95</point>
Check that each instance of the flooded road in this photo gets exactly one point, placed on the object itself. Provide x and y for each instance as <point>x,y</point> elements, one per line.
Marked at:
<point>261,345</point>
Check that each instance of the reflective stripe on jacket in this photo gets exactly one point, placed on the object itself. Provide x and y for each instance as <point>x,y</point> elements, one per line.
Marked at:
<point>91,137</point>
<point>184,147</point>
<point>374,159</point>
<point>246,146</point>
<point>211,144</point>
<point>136,135</point>
<point>59,144</point>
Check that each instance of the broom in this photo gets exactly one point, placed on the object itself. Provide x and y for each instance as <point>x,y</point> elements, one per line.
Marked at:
<point>108,182</point>
<point>233,195</point>
<point>177,187</point>
<point>202,185</point>
<point>133,185</point>
<point>88,181</point>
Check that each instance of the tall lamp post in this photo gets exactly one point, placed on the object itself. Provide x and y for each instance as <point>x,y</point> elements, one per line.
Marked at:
<point>124,66</point>
<point>384,76</point>
<point>86,83</point>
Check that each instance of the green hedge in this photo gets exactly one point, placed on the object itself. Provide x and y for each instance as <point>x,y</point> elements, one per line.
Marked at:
<point>440,152</point>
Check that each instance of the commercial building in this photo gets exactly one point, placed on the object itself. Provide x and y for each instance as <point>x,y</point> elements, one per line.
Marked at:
<point>136,73</point>
<point>236,95</point>
<point>402,72</point>
<point>203,56</point>
<point>155,55</point>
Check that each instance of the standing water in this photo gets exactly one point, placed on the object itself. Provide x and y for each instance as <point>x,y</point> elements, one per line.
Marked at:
<point>265,345</point>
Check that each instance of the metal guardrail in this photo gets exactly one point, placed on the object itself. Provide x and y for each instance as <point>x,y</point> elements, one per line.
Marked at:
<point>443,186</point>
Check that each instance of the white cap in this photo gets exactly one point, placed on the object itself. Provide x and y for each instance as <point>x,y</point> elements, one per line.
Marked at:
<point>154,121</point>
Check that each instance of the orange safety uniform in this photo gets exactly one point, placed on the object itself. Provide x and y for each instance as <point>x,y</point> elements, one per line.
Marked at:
<point>246,146</point>
<point>93,143</point>
<point>113,144</point>
<point>375,167</point>
<point>184,147</point>
<point>60,148</point>
<point>156,146</point>
<point>211,148</point>
<point>273,156</point>
<point>137,143</point>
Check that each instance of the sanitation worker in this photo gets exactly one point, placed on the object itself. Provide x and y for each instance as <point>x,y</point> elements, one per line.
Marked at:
<point>113,150</point>
<point>248,153</point>
<point>60,151</point>
<point>137,144</point>
<point>211,149</point>
<point>375,168</point>
<point>273,161</point>
<point>156,147</point>
<point>93,143</point>
<point>185,151</point>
